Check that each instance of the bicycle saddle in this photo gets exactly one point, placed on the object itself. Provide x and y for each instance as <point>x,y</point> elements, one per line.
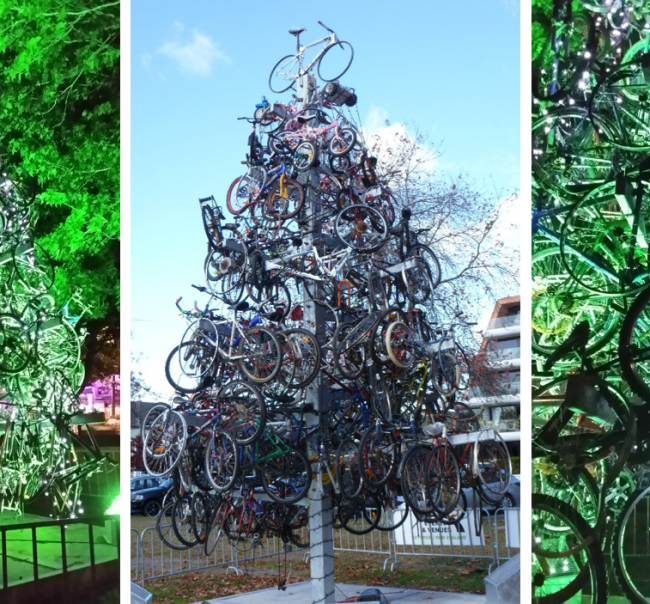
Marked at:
<point>296,32</point>
<point>303,119</point>
<point>577,341</point>
<point>240,306</point>
<point>274,316</point>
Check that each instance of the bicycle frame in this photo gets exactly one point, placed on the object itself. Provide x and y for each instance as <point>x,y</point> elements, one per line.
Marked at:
<point>300,51</point>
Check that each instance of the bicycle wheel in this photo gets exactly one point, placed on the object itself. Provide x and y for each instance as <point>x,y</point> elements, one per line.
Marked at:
<point>211,224</point>
<point>442,479</point>
<point>305,156</point>
<point>243,405</point>
<point>221,461</point>
<point>360,517</point>
<point>348,359</point>
<point>15,346</point>
<point>347,468</point>
<point>377,457</point>
<point>199,515</point>
<point>342,142</point>
<point>335,61</point>
<point>165,529</point>
<point>399,345</point>
<point>198,348</point>
<point>392,513</point>
<point>307,356</point>
<point>236,205</point>
<point>33,268</point>
<point>361,228</point>
<point>598,231</point>
<point>559,303</point>
<point>631,548</point>
<point>260,355</point>
<point>493,464</point>
<point>427,278</point>
<point>445,365</point>
<point>285,70</point>
<point>249,188</point>
<point>286,478</point>
<point>182,521</point>
<point>413,478</point>
<point>164,443</point>
<point>556,578</point>
<point>285,201</point>
<point>634,346</point>
<point>217,524</point>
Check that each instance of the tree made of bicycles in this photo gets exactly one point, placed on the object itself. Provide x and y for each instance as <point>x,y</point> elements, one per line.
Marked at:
<point>315,390</point>
<point>591,300</point>
<point>40,373</point>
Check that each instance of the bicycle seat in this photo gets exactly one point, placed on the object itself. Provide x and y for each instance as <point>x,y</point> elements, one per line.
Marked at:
<point>274,316</point>
<point>577,341</point>
<point>240,306</point>
<point>296,32</point>
<point>303,119</point>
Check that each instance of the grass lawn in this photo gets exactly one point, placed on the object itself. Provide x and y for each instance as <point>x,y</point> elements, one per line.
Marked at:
<point>439,573</point>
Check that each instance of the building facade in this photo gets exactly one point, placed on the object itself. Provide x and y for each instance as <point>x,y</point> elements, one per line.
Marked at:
<point>498,391</point>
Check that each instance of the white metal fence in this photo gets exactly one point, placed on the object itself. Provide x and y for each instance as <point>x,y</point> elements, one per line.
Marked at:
<point>498,541</point>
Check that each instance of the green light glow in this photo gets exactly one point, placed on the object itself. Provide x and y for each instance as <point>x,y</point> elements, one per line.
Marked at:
<point>114,510</point>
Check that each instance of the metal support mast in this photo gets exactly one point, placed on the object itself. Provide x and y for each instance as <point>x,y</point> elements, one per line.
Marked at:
<point>321,536</point>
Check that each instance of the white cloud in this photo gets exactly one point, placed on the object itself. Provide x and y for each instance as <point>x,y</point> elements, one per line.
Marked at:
<point>195,53</point>
<point>378,132</point>
<point>146,59</point>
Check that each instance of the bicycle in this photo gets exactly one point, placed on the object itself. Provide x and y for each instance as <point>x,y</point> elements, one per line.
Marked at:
<point>291,67</point>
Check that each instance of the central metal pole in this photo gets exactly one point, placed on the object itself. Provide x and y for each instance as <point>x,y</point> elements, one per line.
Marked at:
<point>321,537</point>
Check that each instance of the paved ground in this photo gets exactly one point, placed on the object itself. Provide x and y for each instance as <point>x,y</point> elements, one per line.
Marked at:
<point>49,553</point>
<point>300,593</point>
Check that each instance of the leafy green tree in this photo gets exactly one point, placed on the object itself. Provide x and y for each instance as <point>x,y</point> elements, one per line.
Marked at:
<point>60,129</point>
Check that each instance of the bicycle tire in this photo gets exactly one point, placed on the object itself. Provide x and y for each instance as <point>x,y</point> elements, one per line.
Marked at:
<point>370,509</point>
<point>388,509</point>
<point>210,227</point>
<point>235,207</point>
<point>342,142</point>
<point>485,451</point>
<point>199,519</point>
<point>399,345</point>
<point>412,478</point>
<point>347,468</point>
<point>444,366</point>
<point>377,449</point>
<point>598,244</point>
<point>250,188</point>
<point>285,207</point>
<point>288,466</point>
<point>305,156</point>
<point>419,250</point>
<point>15,345</point>
<point>351,361</point>
<point>258,371</point>
<point>342,45</point>
<point>166,531</point>
<point>164,443</point>
<point>637,586</point>
<point>222,455</point>
<point>630,351</point>
<point>217,524</point>
<point>280,68</point>
<point>362,228</point>
<point>593,567</point>
<point>182,521</point>
<point>443,479</point>
<point>307,353</point>
<point>244,398</point>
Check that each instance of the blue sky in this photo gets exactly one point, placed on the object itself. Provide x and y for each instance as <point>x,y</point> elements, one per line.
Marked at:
<point>450,68</point>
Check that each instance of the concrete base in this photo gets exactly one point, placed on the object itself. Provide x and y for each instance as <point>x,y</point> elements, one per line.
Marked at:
<point>300,593</point>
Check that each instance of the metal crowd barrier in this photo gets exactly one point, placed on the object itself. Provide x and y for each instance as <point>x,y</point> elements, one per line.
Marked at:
<point>498,541</point>
<point>63,524</point>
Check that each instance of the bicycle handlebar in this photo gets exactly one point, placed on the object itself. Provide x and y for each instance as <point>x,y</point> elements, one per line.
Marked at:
<point>200,288</point>
<point>325,26</point>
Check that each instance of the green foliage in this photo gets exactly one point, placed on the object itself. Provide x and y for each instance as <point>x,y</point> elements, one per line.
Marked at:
<point>59,122</point>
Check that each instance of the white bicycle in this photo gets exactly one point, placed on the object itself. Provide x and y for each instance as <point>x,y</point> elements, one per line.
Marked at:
<point>334,59</point>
